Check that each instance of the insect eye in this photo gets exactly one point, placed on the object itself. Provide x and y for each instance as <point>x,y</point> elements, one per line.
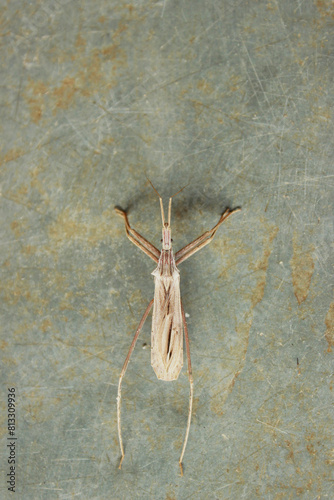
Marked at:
<point>172,239</point>
<point>161,240</point>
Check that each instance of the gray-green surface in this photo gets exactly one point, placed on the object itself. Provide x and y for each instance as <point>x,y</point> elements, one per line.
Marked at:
<point>234,98</point>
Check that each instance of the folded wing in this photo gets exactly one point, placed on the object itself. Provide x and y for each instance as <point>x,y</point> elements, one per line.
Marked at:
<point>167,327</point>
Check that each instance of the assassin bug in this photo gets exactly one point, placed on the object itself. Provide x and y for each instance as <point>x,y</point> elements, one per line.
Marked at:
<point>169,320</point>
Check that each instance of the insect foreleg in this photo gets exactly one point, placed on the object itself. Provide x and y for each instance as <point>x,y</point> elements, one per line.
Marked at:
<point>202,240</point>
<point>137,239</point>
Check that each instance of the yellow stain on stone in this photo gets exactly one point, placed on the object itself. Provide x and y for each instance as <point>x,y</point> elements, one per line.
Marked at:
<point>329,322</point>
<point>302,266</point>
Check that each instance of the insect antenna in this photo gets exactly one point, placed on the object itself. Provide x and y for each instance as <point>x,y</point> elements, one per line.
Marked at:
<point>169,204</point>
<point>161,204</point>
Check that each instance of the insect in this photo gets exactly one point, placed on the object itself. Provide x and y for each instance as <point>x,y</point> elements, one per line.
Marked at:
<point>168,320</point>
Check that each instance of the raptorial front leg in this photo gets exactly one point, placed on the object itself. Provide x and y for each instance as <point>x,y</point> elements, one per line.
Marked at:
<point>137,239</point>
<point>202,240</point>
<point>191,382</point>
<point>126,362</point>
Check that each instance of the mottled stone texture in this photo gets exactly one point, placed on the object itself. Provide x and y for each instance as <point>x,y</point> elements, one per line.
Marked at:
<point>235,99</point>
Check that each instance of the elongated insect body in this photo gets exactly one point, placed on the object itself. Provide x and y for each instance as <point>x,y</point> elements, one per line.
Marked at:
<point>167,326</point>
<point>168,320</point>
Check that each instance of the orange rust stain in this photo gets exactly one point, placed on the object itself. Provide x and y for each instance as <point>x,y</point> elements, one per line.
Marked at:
<point>65,304</point>
<point>271,7</point>
<point>46,325</point>
<point>302,265</point>
<point>14,290</point>
<point>290,454</point>
<point>231,248</point>
<point>34,173</point>
<point>11,155</point>
<point>36,111</point>
<point>80,43</point>
<point>329,322</point>
<point>10,362</point>
<point>205,87</point>
<point>3,345</point>
<point>34,410</point>
<point>68,228</point>
<point>90,74</point>
<point>261,266</point>
<point>120,29</point>
<point>18,227</point>
<point>37,183</point>
<point>258,291</point>
<point>94,73</point>
<point>111,51</point>
<point>325,8</point>
<point>29,249</point>
<point>64,94</point>
<point>37,87</point>
<point>255,295</point>
<point>107,141</point>
<point>22,191</point>
<point>170,496</point>
<point>14,227</point>
<point>242,329</point>
<point>34,94</point>
<point>310,449</point>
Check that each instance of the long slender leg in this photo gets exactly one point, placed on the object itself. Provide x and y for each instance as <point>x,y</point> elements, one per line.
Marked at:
<point>140,242</point>
<point>203,237</point>
<point>126,362</point>
<point>202,240</point>
<point>191,382</point>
